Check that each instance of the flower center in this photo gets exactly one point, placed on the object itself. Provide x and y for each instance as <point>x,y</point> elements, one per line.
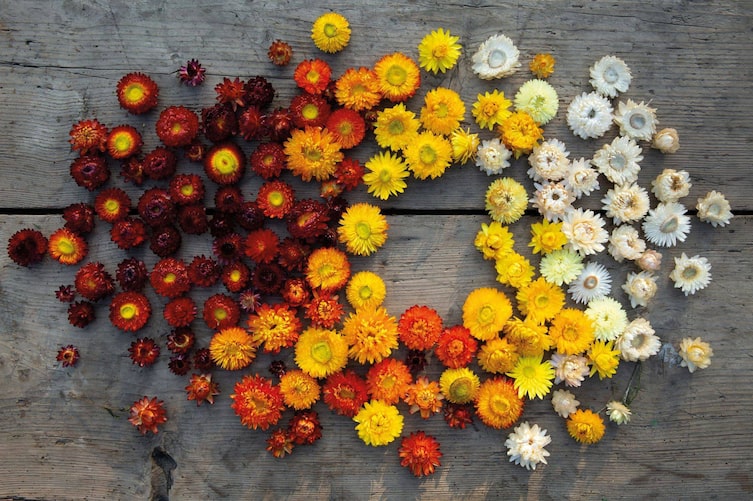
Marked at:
<point>486,314</point>
<point>66,247</point>
<point>396,75</point>
<point>112,206</point>
<point>321,352</point>
<point>618,161</point>
<point>590,282</point>
<point>186,189</point>
<point>497,58</point>
<point>220,314</point>
<point>490,109</point>
<point>364,292</point>
<point>276,199</point>
<point>670,225</point>
<point>611,75</point>
<point>541,301</point>
<point>440,51</point>
<point>310,111</point>
<point>312,154</point>
<point>169,278</point>
<point>330,30</point>
<point>128,311</point>
<point>363,230</point>
<point>225,162</point>
<point>461,389</point>
<point>500,404</point>
<point>637,121</point>
<point>427,154</point>
<point>529,372</point>
<point>122,142</point>
<point>689,273</point>
<point>441,110</point>
<point>396,127</point>
<point>312,76</point>
<point>134,93</point>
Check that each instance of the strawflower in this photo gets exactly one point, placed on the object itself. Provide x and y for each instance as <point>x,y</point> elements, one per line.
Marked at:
<point>492,157</point>
<point>438,51</point>
<point>420,453</point>
<point>428,155</point>
<point>546,237</point>
<point>313,153</point>
<point>532,377</point>
<point>496,57</point>
<point>345,392</point>
<point>561,266</point>
<point>201,388</point>
<point>525,445</point>
<point>520,133</point>
<point>695,353</point>
<point>232,348</point>
<point>312,75</point>
<point>498,356</point>
<point>399,76</point>
<point>456,347</point>
<point>66,247</point>
<point>419,327</point>
<point>714,208</point>
<point>506,200</point>
<point>618,412</point>
<point>147,414</point>
<point>491,109</point>
<point>299,389</point>
<point>365,288</point>
<point>443,110</point>
<point>257,402</point>
<point>485,312</point>
<point>514,269</point>
<point>386,174</point>
<point>640,287</point>
<point>378,423</point>
<point>691,274</point>
<point>459,386</point>
<point>388,380</point>
<point>608,316</point>
<point>539,99</point>
<point>363,229</point>
<point>572,369</point>
<point>327,268</point>
<point>371,334</point>
<point>585,426</point>
<point>464,145</point>
<point>493,240</point>
<point>571,331</point>
<point>638,341</point>
<point>425,397</point>
<point>540,300</point>
<point>498,403</point>
<point>276,326</point>
<point>358,89</point>
<point>396,127</point>
<point>604,359</point>
<point>610,76</point>
<point>331,32</point>
<point>348,127</point>
<point>564,403</point>
<point>542,65</point>
<point>68,355</point>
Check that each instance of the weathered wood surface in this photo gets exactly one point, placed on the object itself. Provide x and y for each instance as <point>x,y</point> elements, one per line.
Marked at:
<point>64,431</point>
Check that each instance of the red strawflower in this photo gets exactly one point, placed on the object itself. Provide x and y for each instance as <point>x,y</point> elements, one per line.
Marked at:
<point>348,127</point>
<point>169,277</point>
<point>67,247</point>
<point>129,311</point>
<point>132,274</point>
<point>280,53</point>
<point>278,124</point>
<point>179,364</point>
<point>65,294</point>
<point>456,347</point>
<point>144,352</point>
<point>93,282</point>
<point>231,92</point>
<point>458,415</point>
<point>177,126</point>
<point>147,415</point>
<point>296,292</point>
<point>88,136</point>
<point>156,208</point>
<point>415,360</point>
<point>221,311</point>
<point>27,246</point>
<point>221,224</point>
<point>124,141</point>
<point>388,380</point>
<point>268,278</point>
<point>224,163</point>
<point>259,92</point>
<point>79,218</point>
<point>345,392</point>
<point>349,173</point>
<point>180,312</point>
<point>128,233</point>
<point>181,339</point>
<point>196,151</point>
<point>420,453</point>
<point>192,73</point>
<point>112,204</point>
<point>192,219</point>
<point>137,93</point>
<point>249,300</point>
<point>90,171</point>
<point>165,240</point>
<point>258,402</point>
<point>419,327</point>
<point>280,443</point>
<point>81,314</point>
<point>307,219</point>
<point>268,160</point>
<point>293,254</point>
<point>250,216</point>
<point>304,427</point>
<point>203,271</point>
<point>251,124</point>
<point>324,310</point>
<point>218,122</point>
<point>201,388</point>
<point>228,199</point>
<point>160,163</point>
<point>275,199</point>
<point>312,75</point>
<point>235,276</point>
<point>261,245</point>
<point>309,110</point>
<point>278,368</point>
<point>202,360</point>
<point>68,355</point>
<point>330,188</point>
<point>132,170</point>
<point>228,248</point>
<point>186,189</point>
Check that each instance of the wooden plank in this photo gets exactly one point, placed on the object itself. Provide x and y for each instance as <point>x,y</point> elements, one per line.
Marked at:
<point>69,425</point>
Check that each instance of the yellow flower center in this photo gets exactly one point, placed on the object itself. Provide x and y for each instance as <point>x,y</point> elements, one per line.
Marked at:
<point>570,333</point>
<point>112,206</point>
<point>312,76</point>
<point>456,347</point>
<point>187,190</point>
<point>461,389</point>
<point>440,51</point>
<point>528,371</point>
<point>235,275</point>
<point>122,142</point>
<point>225,162</point>
<point>500,405</point>
<point>176,128</point>
<point>365,292</point>
<point>169,278</point>
<point>276,199</point>
<point>490,109</point>
<point>396,75</point>
<point>326,270</point>
<point>310,111</point>
<point>220,314</point>
<point>441,110</point>
<point>345,128</point>
<point>128,311</point>
<point>427,154</point>
<point>396,127</point>
<point>385,176</point>
<point>486,314</point>
<point>66,247</point>
<point>330,30</point>
<point>363,230</point>
<point>134,93</point>
<point>541,301</point>
<point>312,154</point>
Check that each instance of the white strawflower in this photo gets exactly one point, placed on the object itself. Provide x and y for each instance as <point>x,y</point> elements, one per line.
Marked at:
<point>626,203</point>
<point>618,412</point>
<point>695,353</point>
<point>525,445</point>
<point>564,403</point>
<point>496,57</point>
<point>638,341</point>
<point>666,140</point>
<point>610,76</point>
<point>589,115</point>
<point>640,288</point>
<point>691,274</point>
<point>581,178</point>
<point>492,156</point>
<point>585,231</point>
<point>549,161</point>
<point>713,208</point>
<point>593,282</point>
<point>666,224</point>
<point>572,369</point>
<point>636,120</point>
<point>626,243</point>
<point>619,160</point>
<point>553,200</point>
<point>671,185</point>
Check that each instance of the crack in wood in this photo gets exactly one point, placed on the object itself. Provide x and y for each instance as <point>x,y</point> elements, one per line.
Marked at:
<point>162,474</point>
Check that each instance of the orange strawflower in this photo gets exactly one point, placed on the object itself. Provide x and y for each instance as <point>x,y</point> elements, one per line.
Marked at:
<point>67,247</point>
<point>137,93</point>
<point>313,153</point>
<point>201,388</point>
<point>327,268</point>
<point>299,390</point>
<point>456,347</point>
<point>388,380</point>
<point>276,326</point>
<point>542,65</point>
<point>324,310</point>
<point>146,414</point>
<point>345,392</point>
<point>348,127</point>
<point>88,137</point>
<point>420,453</point>
<point>399,76</point>
<point>419,327</point>
<point>232,348</point>
<point>498,404</point>
<point>258,402</point>
<point>358,89</point>
<point>312,75</point>
<point>424,397</point>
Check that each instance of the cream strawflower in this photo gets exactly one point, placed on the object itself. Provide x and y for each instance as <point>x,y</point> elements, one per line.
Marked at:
<point>695,353</point>
<point>636,120</point>
<point>691,274</point>
<point>619,160</point>
<point>610,76</point>
<point>626,203</point>
<point>561,266</point>
<point>594,281</point>
<point>572,369</point>
<point>581,178</point>
<point>496,57</point>
<point>549,161</point>
<point>666,141</point>
<point>650,260</point>
<point>618,412</point>
<point>552,200</point>
<point>608,317</point>
<point>713,208</point>
<point>564,403</point>
<point>585,231</point>
<point>626,243</point>
<point>640,287</point>
<point>492,156</point>
<point>589,115</point>
<point>638,341</point>
<point>671,185</point>
<point>539,99</point>
<point>525,445</point>
<point>666,224</point>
